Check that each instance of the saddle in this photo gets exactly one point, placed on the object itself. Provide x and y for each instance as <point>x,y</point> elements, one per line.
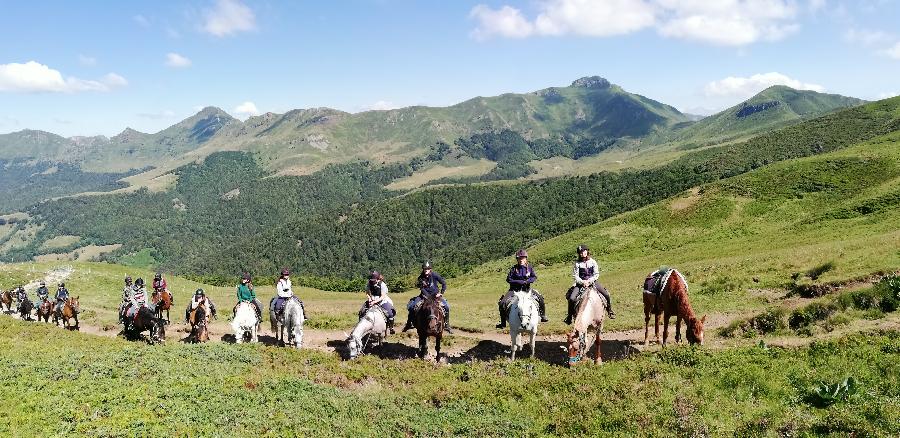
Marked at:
<point>362,313</point>
<point>655,282</point>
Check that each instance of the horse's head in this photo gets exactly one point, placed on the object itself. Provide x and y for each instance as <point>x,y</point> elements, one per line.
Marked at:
<point>158,330</point>
<point>431,315</point>
<point>526,307</point>
<point>354,346</point>
<point>694,332</point>
<point>576,347</point>
<point>73,303</point>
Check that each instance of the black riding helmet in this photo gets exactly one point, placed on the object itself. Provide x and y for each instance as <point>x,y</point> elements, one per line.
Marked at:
<point>139,282</point>
<point>245,276</point>
<point>158,276</point>
<point>199,293</point>
<point>62,284</point>
<point>128,279</point>
<point>375,276</point>
<point>426,265</point>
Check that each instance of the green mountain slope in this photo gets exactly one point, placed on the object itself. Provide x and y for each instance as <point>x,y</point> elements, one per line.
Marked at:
<point>772,108</point>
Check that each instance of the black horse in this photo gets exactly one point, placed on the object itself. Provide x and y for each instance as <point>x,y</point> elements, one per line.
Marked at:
<point>429,321</point>
<point>145,320</point>
<point>25,308</point>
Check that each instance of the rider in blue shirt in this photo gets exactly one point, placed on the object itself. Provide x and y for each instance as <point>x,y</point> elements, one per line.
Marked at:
<point>428,284</point>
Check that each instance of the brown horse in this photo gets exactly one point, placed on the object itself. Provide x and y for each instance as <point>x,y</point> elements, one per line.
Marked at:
<point>162,300</point>
<point>69,311</point>
<point>6,299</point>
<point>25,308</point>
<point>44,310</point>
<point>199,325</point>
<point>673,300</point>
<point>589,315</point>
<point>429,321</point>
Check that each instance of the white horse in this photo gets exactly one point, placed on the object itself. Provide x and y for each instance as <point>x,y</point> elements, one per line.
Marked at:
<point>291,321</point>
<point>523,317</point>
<point>245,323</point>
<point>374,325</point>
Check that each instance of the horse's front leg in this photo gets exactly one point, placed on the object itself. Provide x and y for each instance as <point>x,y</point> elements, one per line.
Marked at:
<point>437,348</point>
<point>423,346</point>
<point>646,328</point>
<point>77,326</point>
<point>514,342</point>
<point>532,341</point>
<point>665,337</point>
<point>598,359</point>
<point>677,329</point>
<point>656,326</point>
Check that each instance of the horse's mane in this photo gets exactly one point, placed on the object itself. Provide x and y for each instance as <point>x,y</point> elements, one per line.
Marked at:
<point>678,294</point>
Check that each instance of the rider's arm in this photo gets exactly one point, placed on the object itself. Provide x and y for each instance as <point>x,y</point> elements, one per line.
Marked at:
<point>596,275</point>
<point>578,280</point>
<point>532,276</point>
<point>511,280</point>
<point>440,280</point>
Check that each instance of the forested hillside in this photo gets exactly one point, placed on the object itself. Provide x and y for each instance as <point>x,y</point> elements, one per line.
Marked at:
<point>341,222</point>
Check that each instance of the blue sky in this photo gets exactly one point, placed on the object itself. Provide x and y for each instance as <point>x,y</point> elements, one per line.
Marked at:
<point>86,68</point>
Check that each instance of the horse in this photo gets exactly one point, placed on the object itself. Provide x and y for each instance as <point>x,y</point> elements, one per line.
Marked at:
<point>429,321</point>
<point>370,330</point>
<point>673,300</point>
<point>145,320</point>
<point>6,299</point>
<point>523,317</point>
<point>291,320</point>
<point>69,311</point>
<point>162,300</point>
<point>44,310</point>
<point>25,308</point>
<point>245,323</point>
<point>589,316</point>
<point>199,325</point>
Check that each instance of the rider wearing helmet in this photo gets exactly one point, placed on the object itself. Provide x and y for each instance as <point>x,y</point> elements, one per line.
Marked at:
<point>377,295</point>
<point>21,297</point>
<point>284,292</point>
<point>62,294</point>
<point>428,282</point>
<point>159,283</point>
<point>200,299</point>
<point>43,293</point>
<point>246,294</point>
<point>586,273</point>
<point>520,278</point>
<point>137,299</point>
<point>127,292</point>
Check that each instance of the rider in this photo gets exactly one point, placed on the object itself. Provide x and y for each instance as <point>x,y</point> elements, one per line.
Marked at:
<point>21,296</point>
<point>43,293</point>
<point>200,299</point>
<point>284,293</point>
<point>377,295</point>
<point>62,294</point>
<point>159,283</point>
<point>586,273</point>
<point>520,278</point>
<point>246,294</point>
<point>127,291</point>
<point>428,282</point>
<point>137,298</point>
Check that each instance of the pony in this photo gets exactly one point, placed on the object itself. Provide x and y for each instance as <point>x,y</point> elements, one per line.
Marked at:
<point>70,310</point>
<point>672,300</point>
<point>199,325</point>
<point>589,315</point>
<point>429,321</point>
<point>25,308</point>
<point>523,317</point>
<point>162,300</point>
<point>291,320</point>
<point>6,299</point>
<point>370,330</point>
<point>145,320</point>
<point>44,310</point>
<point>245,323</point>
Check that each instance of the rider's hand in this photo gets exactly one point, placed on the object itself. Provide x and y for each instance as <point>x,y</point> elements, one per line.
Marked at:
<point>439,295</point>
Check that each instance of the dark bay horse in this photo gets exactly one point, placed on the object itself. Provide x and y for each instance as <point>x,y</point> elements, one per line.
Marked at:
<point>429,321</point>
<point>199,325</point>
<point>162,300</point>
<point>145,320</point>
<point>69,311</point>
<point>25,308</point>
<point>44,310</point>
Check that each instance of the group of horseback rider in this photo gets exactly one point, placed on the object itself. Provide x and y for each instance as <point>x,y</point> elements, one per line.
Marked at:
<point>134,295</point>
<point>43,294</point>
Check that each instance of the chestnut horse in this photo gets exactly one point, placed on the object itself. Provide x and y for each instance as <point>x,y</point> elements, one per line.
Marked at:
<point>589,315</point>
<point>44,310</point>
<point>6,299</point>
<point>162,300</point>
<point>672,300</point>
<point>429,321</point>
<point>69,311</point>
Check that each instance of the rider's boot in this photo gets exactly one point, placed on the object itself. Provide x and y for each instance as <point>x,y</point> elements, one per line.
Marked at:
<point>571,311</point>
<point>447,323</point>
<point>390,326</point>
<point>409,322</point>
<point>502,316</point>
<point>541,308</point>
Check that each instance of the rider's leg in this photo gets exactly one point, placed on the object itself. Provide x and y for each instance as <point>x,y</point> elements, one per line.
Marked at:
<point>502,305</point>
<point>303,308</point>
<point>605,293</point>
<point>447,317</point>
<point>409,316</point>
<point>541,308</point>
<point>257,306</point>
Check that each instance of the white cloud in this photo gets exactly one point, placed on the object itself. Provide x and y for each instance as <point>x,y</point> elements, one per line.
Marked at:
<point>816,5</point>
<point>892,52</point>
<point>177,61</point>
<point>888,95</point>
<point>166,114</point>
<point>381,105</point>
<point>247,109</point>
<point>88,61</point>
<point>141,20</point>
<point>868,37</point>
<point>721,22</point>
<point>743,88</point>
<point>34,77</point>
<point>228,17</point>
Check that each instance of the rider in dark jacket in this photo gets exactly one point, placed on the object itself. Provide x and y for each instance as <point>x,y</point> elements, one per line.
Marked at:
<point>428,283</point>
<point>43,293</point>
<point>520,278</point>
<point>62,294</point>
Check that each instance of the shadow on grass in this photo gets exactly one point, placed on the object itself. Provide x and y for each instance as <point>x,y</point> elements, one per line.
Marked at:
<point>552,352</point>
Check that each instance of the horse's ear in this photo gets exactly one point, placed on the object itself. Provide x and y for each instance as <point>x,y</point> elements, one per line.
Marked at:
<point>703,320</point>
